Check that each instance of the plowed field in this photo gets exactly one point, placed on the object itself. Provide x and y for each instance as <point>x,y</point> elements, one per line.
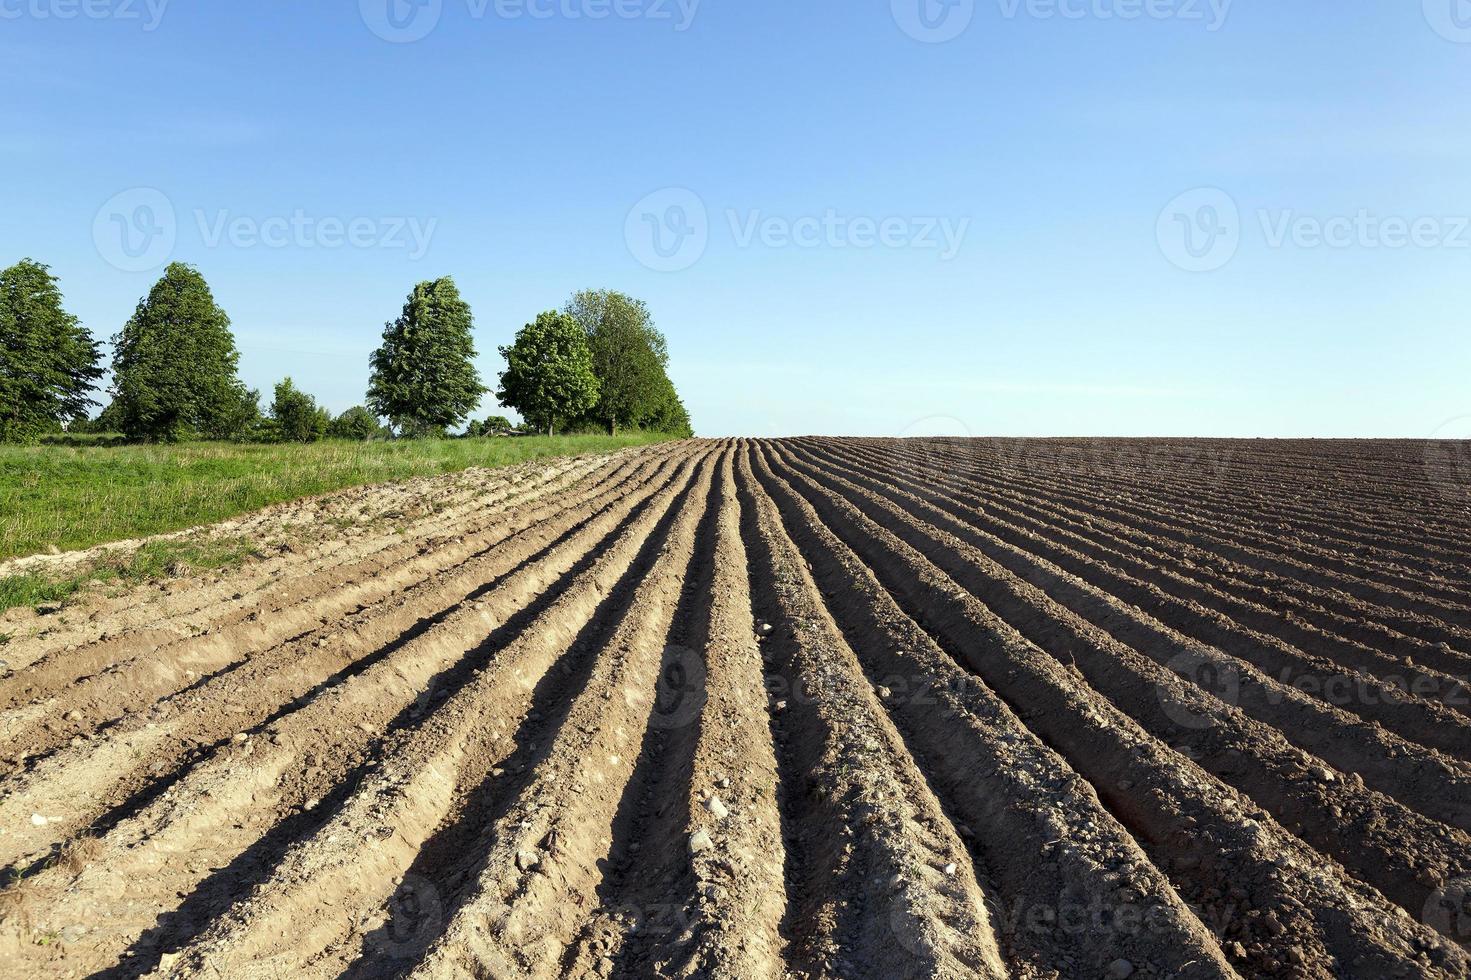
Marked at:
<point>809,707</point>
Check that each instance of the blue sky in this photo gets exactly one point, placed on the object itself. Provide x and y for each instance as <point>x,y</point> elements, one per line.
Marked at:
<point>1116,217</point>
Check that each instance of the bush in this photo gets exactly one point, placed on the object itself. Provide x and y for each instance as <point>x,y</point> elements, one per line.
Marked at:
<point>496,425</point>
<point>297,417</point>
<point>357,423</point>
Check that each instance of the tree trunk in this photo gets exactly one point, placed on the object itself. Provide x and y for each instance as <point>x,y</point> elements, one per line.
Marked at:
<point>550,433</point>
<point>612,427</point>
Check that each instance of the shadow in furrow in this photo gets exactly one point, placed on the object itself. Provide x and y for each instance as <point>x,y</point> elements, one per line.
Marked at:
<point>251,867</point>
<point>647,879</point>
<point>814,868</point>
<point>448,859</point>
<point>146,795</point>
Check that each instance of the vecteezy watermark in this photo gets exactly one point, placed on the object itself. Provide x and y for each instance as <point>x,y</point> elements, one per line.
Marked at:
<point>924,457</point>
<point>669,231</point>
<point>1448,910</point>
<point>679,695</point>
<point>933,21</point>
<point>1201,671</point>
<point>1211,14</point>
<point>138,230</point>
<point>1451,19</point>
<point>1202,230</point>
<point>303,230</point>
<point>147,13</point>
<point>406,21</point>
<point>1448,459</point>
<point>938,21</point>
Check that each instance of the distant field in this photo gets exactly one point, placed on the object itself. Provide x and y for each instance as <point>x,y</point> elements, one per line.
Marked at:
<point>74,497</point>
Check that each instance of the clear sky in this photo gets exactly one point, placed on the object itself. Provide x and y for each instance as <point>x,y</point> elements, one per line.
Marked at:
<point>1116,217</point>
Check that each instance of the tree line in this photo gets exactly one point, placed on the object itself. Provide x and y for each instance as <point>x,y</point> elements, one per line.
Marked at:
<point>598,362</point>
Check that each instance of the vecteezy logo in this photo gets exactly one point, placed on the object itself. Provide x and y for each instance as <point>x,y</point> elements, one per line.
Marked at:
<point>923,457</point>
<point>668,230</point>
<point>680,695</point>
<point>1450,18</point>
<point>1448,459</point>
<point>1448,910</point>
<point>135,231</point>
<point>933,21</point>
<point>401,21</point>
<point>1213,675</point>
<point>1200,230</point>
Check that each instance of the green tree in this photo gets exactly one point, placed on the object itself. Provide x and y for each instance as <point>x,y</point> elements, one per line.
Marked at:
<point>356,423</point>
<point>238,416</point>
<point>297,417</point>
<point>549,375</point>
<point>669,414</point>
<point>629,355</point>
<point>174,364</point>
<point>424,379</point>
<point>48,361</point>
<point>496,425</point>
<point>108,421</point>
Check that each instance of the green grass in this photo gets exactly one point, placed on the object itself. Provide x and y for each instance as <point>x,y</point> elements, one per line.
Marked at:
<point>72,497</point>
<point>154,560</point>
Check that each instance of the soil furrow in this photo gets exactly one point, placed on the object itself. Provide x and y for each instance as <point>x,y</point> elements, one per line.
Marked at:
<point>1417,719</point>
<point>1060,863</point>
<point>1146,785</point>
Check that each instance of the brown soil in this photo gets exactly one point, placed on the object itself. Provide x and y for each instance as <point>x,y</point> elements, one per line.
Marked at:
<point>796,708</point>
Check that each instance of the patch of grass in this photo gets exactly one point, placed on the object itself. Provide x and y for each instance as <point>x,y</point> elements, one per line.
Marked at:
<point>157,559</point>
<point>35,590</point>
<point>76,496</point>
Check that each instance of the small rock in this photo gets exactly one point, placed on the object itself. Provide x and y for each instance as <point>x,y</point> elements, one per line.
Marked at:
<point>72,716</point>
<point>526,860</point>
<point>1323,774</point>
<point>37,820</point>
<point>700,842</point>
<point>239,737</point>
<point>950,869</point>
<point>724,783</point>
<point>765,628</point>
<point>717,808</point>
<point>1120,969</point>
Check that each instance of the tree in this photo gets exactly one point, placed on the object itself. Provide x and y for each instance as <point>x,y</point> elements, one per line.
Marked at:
<point>629,355</point>
<point>356,423</point>
<point>48,361</point>
<point>424,379</point>
<point>108,421</point>
<point>669,414</point>
<point>238,417</point>
<point>174,364</point>
<point>297,417</point>
<point>496,425</point>
<point>549,374</point>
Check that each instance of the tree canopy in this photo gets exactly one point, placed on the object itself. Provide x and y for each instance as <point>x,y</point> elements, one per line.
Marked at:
<point>174,364</point>
<point>48,361</point>
<point>356,423</point>
<point>629,356</point>
<point>424,379</point>
<point>549,375</point>
<point>297,417</point>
